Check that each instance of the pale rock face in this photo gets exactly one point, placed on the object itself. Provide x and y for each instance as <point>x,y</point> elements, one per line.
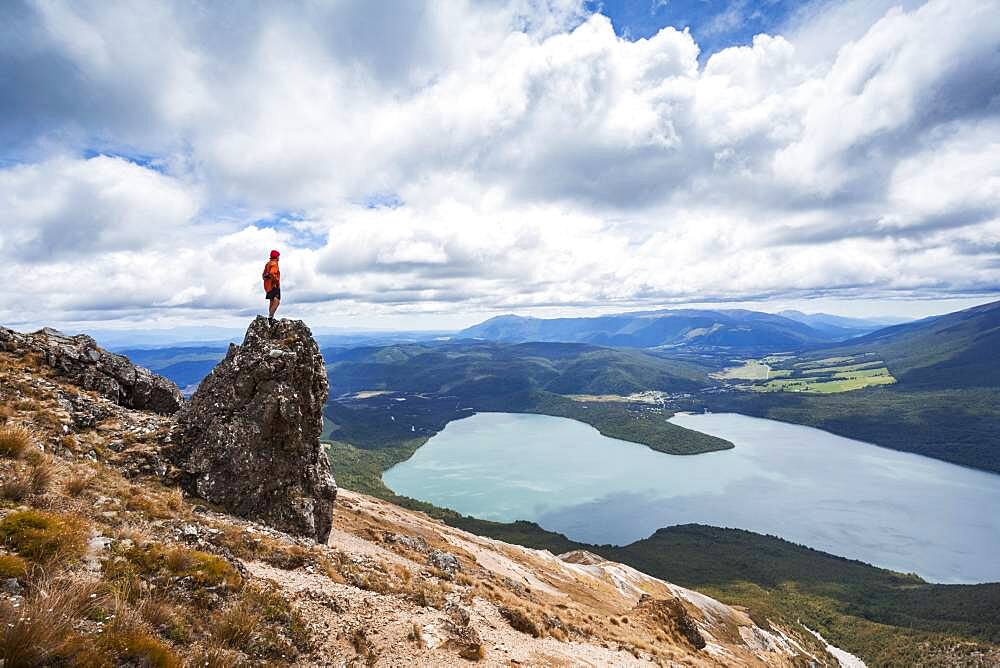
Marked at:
<point>249,438</point>
<point>82,363</point>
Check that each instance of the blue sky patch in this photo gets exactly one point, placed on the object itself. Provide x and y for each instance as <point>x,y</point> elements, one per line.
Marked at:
<point>382,201</point>
<point>715,24</point>
<point>285,221</point>
<point>147,161</point>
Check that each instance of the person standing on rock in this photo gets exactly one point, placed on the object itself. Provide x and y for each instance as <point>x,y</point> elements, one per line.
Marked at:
<point>272,283</point>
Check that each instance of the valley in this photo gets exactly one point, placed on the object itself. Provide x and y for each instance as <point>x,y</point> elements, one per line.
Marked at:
<point>784,373</point>
<point>860,391</point>
<point>926,388</point>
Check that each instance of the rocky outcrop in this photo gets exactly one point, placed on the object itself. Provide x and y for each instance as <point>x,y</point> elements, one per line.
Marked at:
<point>79,360</point>
<point>249,438</point>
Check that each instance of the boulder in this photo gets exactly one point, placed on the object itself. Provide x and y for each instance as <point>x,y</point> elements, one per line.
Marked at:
<point>80,361</point>
<point>248,440</point>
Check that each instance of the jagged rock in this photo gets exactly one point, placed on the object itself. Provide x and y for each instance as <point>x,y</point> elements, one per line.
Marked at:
<point>145,460</point>
<point>444,561</point>
<point>415,543</point>
<point>249,438</point>
<point>79,360</point>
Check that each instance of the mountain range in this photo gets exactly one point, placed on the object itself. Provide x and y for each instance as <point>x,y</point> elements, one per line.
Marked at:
<point>960,349</point>
<point>747,331</point>
<point>838,326</point>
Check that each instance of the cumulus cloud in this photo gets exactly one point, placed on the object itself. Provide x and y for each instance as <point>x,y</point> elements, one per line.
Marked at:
<point>65,208</point>
<point>490,155</point>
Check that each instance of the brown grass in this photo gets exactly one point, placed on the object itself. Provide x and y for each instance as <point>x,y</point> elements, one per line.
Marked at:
<point>6,412</point>
<point>364,647</point>
<point>235,626</point>
<point>179,559</point>
<point>275,609</point>
<point>34,456</point>
<point>160,614</point>
<point>69,442</point>
<point>40,476</point>
<point>27,404</point>
<point>428,593</point>
<point>246,545</point>
<point>40,632</point>
<point>416,635</point>
<point>47,417</point>
<point>473,652</point>
<point>78,483</point>
<point>175,500</point>
<point>205,570</point>
<point>215,657</point>
<point>15,441</point>
<point>16,487</point>
<point>520,620</point>
<point>129,640</point>
<point>32,360</point>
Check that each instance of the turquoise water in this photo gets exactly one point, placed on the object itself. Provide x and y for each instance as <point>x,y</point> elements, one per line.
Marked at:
<point>892,509</point>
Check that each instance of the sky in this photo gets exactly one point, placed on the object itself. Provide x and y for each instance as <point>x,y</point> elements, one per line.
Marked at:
<point>431,164</point>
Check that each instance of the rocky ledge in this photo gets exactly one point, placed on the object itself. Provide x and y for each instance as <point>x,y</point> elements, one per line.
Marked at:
<point>248,440</point>
<point>82,363</point>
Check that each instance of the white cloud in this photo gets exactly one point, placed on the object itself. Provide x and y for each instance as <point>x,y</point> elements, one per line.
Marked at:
<point>537,158</point>
<point>65,208</point>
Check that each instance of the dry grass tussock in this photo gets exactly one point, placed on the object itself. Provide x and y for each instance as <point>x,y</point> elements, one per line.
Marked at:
<point>235,626</point>
<point>130,639</point>
<point>146,559</point>
<point>39,631</point>
<point>15,441</point>
<point>78,482</point>
<point>16,487</point>
<point>258,547</point>
<point>40,476</point>
<point>364,647</point>
<point>389,579</point>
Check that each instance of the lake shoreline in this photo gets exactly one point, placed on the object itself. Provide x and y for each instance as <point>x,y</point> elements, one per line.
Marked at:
<point>702,509</point>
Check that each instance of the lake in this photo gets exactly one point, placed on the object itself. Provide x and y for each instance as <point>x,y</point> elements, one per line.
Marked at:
<point>853,499</point>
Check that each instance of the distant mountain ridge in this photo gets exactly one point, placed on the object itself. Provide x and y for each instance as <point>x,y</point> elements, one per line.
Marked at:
<point>839,326</point>
<point>744,330</point>
<point>955,350</point>
<point>480,368</point>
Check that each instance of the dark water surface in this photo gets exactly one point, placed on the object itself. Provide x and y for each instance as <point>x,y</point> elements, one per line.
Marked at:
<point>892,509</point>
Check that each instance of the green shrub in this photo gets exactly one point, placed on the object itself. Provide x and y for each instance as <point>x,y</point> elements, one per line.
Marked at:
<point>41,537</point>
<point>12,566</point>
<point>209,570</point>
<point>206,570</point>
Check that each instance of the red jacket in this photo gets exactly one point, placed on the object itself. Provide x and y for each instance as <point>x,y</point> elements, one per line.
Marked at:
<point>271,276</point>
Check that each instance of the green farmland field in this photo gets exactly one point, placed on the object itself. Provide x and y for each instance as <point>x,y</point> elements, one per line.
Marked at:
<point>825,376</point>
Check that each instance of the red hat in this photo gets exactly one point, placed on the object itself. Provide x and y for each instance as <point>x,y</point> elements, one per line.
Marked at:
<point>274,254</point>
